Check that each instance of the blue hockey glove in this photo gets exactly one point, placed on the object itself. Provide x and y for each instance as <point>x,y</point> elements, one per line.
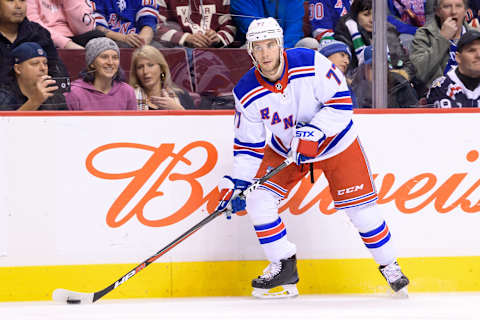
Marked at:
<point>306,142</point>
<point>230,199</point>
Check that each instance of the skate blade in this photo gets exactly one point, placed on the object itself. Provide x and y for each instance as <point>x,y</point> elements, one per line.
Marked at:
<point>280,292</point>
<point>401,294</point>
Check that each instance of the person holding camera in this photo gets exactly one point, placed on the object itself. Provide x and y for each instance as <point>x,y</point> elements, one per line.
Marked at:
<point>33,88</point>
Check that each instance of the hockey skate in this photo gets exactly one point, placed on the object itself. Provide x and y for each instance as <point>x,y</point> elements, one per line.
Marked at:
<point>278,280</point>
<point>396,279</point>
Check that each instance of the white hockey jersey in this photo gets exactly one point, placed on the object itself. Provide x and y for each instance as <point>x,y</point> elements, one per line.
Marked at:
<point>310,90</point>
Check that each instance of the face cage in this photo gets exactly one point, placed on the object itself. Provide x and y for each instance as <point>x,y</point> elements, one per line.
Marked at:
<point>255,63</point>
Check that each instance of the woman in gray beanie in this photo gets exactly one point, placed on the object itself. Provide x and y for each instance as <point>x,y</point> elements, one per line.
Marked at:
<point>101,86</point>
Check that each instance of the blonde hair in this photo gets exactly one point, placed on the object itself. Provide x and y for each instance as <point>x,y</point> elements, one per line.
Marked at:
<point>154,55</point>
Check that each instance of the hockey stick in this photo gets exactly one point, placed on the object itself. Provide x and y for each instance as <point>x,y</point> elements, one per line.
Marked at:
<point>72,297</point>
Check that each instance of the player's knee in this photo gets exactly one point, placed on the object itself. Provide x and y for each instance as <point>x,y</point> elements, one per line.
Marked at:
<point>262,206</point>
<point>365,218</point>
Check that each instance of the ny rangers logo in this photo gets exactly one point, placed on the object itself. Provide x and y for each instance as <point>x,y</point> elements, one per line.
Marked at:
<point>122,5</point>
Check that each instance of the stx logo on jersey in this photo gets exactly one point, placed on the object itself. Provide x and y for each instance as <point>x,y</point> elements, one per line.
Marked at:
<point>304,134</point>
<point>350,189</point>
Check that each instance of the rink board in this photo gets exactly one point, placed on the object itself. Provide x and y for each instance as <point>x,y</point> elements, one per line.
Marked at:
<point>87,196</point>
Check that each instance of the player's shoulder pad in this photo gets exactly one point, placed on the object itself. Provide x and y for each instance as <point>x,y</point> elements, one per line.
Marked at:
<point>246,84</point>
<point>300,57</point>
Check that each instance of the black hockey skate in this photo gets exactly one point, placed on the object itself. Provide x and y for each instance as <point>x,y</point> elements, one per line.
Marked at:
<point>278,280</point>
<point>396,279</point>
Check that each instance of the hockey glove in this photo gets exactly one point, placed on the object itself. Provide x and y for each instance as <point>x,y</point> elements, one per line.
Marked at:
<point>230,200</point>
<point>306,143</point>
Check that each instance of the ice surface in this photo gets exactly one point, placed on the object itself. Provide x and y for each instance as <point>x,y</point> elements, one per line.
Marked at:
<point>451,306</point>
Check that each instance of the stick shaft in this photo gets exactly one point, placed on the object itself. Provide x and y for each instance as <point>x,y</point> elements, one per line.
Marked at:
<point>99,294</point>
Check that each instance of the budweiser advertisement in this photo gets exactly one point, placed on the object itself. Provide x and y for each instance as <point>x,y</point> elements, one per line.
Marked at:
<point>116,188</point>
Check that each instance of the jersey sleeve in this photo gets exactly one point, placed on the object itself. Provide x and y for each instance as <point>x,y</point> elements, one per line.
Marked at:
<point>79,15</point>
<point>249,142</point>
<point>147,15</point>
<point>334,95</point>
<point>100,13</point>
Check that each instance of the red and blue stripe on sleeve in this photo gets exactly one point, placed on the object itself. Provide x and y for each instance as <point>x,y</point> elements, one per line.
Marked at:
<point>252,149</point>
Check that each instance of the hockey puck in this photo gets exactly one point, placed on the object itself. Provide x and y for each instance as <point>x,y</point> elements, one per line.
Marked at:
<point>73,301</point>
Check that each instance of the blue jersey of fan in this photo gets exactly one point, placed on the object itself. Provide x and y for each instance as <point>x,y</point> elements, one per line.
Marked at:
<point>126,16</point>
<point>311,89</point>
<point>324,15</point>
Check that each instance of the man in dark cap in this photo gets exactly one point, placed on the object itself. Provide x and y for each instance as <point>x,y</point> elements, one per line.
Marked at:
<point>33,88</point>
<point>15,29</point>
<point>460,87</point>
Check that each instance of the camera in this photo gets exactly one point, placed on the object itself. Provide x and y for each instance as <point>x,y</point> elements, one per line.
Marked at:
<point>63,84</point>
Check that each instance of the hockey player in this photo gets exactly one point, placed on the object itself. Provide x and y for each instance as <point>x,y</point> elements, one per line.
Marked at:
<point>459,87</point>
<point>131,23</point>
<point>303,100</point>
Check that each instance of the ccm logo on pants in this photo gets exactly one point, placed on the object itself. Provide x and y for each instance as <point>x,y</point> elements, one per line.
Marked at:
<point>349,190</point>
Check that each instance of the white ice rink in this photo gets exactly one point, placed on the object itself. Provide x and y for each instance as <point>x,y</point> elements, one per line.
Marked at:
<point>451,306</point>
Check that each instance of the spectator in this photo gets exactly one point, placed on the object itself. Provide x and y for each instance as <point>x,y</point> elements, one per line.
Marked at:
<point>340,55</point>
<point>355,29</point>
<point>131,23</point>
<point>15,29</point>
<point>101,86</point>
<point>151,78</point>
<point>401,94</point>
<point>473,12</point>
<point>33,88</point>
<point>70,22</point>
<point>407,16</point>
<point>196,24</point>
<point>434,45</point>
<point>324,16</point>
<point>289,15</point>
<point>337,52</point>
<point>459,88</point>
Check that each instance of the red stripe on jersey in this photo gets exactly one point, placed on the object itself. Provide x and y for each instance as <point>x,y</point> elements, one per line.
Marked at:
<point>251,94</point>
<point>301,70</point>
<point>320,35</point>
<point>339,100</point>
<point>259,150</point>
<point>275,189</point>
<point>357,202</point>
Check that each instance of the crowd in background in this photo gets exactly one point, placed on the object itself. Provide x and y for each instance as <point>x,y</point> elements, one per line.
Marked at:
<point>433,49</point>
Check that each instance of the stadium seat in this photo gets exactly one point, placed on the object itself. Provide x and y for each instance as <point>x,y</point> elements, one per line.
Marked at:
<point>218,70</point>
